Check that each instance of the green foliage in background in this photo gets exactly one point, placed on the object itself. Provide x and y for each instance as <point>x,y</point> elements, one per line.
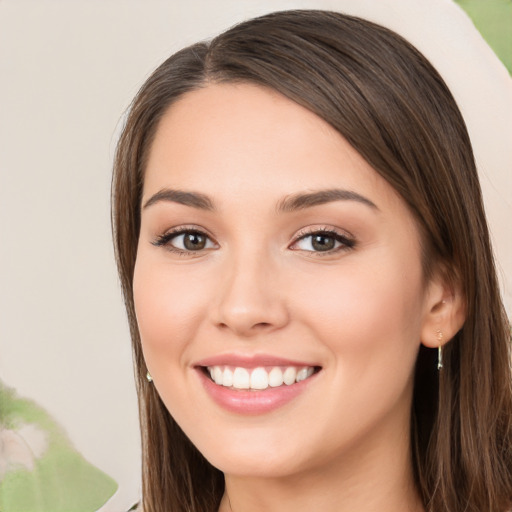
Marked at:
<point>61,479</point>
<point>493,19</point>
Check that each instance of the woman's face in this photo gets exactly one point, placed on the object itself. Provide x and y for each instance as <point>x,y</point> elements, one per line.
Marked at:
<point>271,252</point>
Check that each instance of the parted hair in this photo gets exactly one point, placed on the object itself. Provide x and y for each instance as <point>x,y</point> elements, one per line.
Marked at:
<point>392,106</point>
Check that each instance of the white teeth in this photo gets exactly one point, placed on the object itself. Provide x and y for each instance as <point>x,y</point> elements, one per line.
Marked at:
<point>227,378</point>
<point>275,378</point>
<point>241,379</point>
<point>289,375</point>
<point>217,375</point>
<point>304,373</point>
<point>259,378</point>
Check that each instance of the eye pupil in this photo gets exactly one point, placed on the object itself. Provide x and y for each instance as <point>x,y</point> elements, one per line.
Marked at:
<point>323,242</point>
<point>194,241</point>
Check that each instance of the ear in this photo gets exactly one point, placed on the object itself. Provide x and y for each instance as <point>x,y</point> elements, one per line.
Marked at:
<point>445,312</point>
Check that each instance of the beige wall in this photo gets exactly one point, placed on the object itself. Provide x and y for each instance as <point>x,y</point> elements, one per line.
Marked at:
<point>68,69</point>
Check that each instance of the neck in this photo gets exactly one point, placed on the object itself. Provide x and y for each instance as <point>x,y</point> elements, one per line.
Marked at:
<point>369,479</point>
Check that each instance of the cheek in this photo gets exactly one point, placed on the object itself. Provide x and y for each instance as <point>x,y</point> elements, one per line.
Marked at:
<point>169,308</point>
<point>370,307</point>
<point>369,321</point>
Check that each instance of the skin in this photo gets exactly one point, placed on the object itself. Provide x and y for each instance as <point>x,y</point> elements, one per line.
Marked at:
<point>360,312</point>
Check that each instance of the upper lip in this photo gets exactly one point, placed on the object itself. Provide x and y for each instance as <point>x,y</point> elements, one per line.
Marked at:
<point>250,361</point>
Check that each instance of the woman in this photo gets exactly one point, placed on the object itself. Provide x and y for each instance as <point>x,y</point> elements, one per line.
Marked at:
<point>303,250</point>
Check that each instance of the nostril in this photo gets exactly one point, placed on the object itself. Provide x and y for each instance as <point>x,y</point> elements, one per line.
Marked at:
<point>247,314</point>
<point>248,328</point>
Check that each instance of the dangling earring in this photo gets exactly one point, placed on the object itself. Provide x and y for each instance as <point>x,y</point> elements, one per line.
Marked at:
<point>439,335</point>
<point>148,376</point>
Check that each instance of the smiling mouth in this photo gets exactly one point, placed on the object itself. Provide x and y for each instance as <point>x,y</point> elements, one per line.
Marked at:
<point>260,378</point>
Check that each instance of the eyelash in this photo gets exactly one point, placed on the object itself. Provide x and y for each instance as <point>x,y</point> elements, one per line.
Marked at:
<point>165,239</point>
<point>346,243</point>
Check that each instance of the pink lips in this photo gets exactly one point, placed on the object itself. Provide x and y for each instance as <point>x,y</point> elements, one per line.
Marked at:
<point>250,361</point>
<point>251,402</point>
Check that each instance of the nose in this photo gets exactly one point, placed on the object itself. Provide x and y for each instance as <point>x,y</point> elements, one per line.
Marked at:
<point>250,300</point>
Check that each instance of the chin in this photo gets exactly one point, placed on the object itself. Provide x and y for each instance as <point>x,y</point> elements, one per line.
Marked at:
<point>256,454</point>
<point>258,465</point>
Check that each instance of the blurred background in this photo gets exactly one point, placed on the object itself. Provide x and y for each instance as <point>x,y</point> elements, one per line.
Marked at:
<point>493,19</point>
<point>69,436</point>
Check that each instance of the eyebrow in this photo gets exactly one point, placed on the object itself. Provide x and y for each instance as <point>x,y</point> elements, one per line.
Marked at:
<point>301,201</point>
<point>193,199</point>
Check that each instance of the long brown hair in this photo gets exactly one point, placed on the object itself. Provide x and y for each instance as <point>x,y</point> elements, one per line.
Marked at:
<point>386,99</point>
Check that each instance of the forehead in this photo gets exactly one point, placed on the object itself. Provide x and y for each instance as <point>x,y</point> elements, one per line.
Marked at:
<point>242,140</point>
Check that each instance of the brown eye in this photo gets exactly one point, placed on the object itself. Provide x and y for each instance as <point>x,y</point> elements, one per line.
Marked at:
<point>194,241</point>
<point>185,241</point>
<point>322,242</point>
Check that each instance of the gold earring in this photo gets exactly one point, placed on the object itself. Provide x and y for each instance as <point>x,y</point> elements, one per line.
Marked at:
<point>439,336</point>
<point>148,376</point>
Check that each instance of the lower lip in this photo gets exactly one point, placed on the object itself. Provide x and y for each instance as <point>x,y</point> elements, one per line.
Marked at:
<point>253,402</point>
